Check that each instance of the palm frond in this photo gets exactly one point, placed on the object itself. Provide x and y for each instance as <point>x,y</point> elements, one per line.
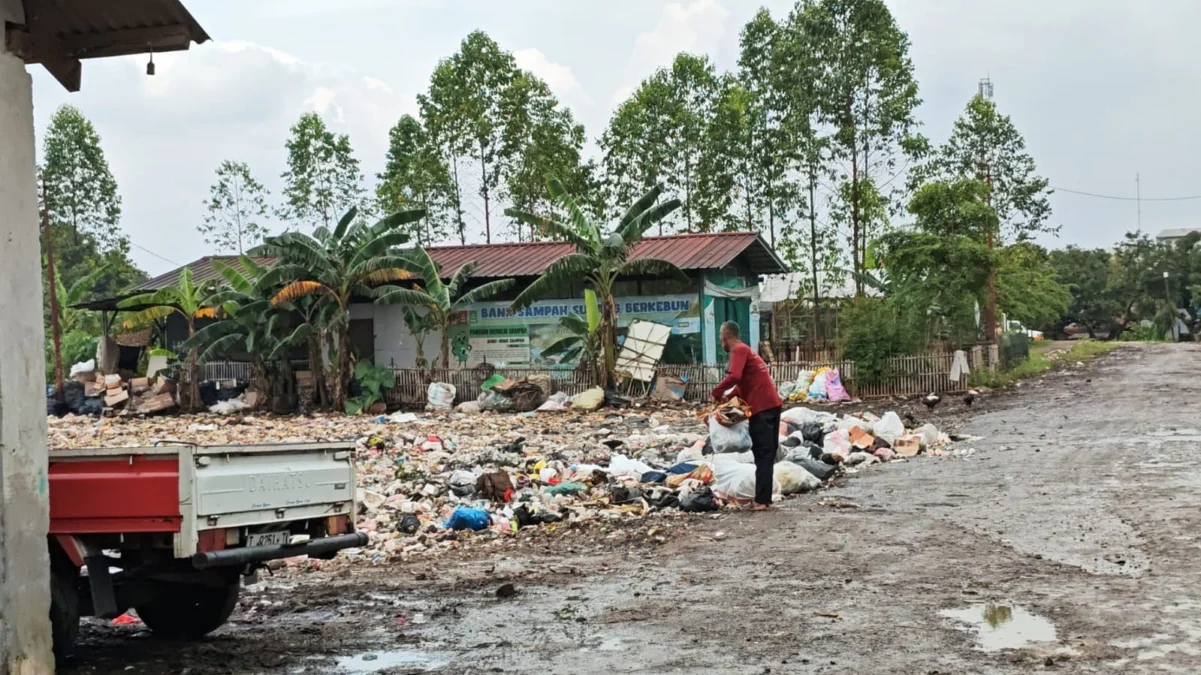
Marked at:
<point>559,275</point>
<point>460,277</point>
<point>635,230</point>
<point>377,246</point>
<point>285,273</point>
<point>383,262</point>
<point>561,346</point>
<point>652,267</point>
<point>552,228</point>
<point>148,316</point>
<point>210,333</point>
<point>579,221</point>
<point>294,247</point>
<point>345,222</point>
<point>298,289</point>
<point>406,296</point>
<point>79,289</point>
<point>163,296</point>
<point>392,222</point>
<point>638,208</point>
<point>575,323</point>
<point>421,263</point>
<point>387,275</point>
<point>485,291</point>
<point>236,278</point>
<point>224,346</point>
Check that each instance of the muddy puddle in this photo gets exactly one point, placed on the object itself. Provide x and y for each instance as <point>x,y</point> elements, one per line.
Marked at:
<point>379,661</point>
<point>1002,626</point>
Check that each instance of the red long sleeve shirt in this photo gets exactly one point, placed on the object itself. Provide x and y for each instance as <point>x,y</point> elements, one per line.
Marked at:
<point>749,376</point>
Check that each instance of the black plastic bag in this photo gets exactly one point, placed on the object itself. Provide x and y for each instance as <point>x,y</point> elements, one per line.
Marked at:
<point>791,442</point>
<point>208,393</point>
<point>698,501</point>
<point>820,469</point>
<point>625,495</point>
<point>55,407</point>
<point>812,432</point>
<point>73,396</point>
<point>409,524</point>
<point>92,405</point>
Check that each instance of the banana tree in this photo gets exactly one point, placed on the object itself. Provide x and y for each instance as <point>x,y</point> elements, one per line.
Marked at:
<point>188,300</point>
<point>583,341</point>
<point>69,318</point>
<point>249,325</point>
<point>600,257</point>
<point>334,267</point>
<point>441,301</point>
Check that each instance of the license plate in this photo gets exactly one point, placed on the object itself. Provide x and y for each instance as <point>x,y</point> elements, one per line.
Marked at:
<point>268,539</point>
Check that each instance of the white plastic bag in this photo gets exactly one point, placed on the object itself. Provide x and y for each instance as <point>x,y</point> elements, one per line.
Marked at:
<point>817,390</point>
<point>621,466</point>
<point>729,439</point>
<point>890,427</point>
<point>735,481</point>
<point>838,443</point>
<point>794,479</point>
<point>440,397</point>
<point>83,367</point>
<point>800,416</point>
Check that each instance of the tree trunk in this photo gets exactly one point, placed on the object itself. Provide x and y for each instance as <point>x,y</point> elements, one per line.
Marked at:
<point>189,392</point>
<point>856,263</point>
<point>484,192</point>
<point>817,299</point>
<point>317,368</point>
<point>990,308</point>
<point>339,368</point>
<point>454,162</point>
<point>609,341</point>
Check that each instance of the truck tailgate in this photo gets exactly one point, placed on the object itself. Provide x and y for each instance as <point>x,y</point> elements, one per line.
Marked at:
<point>238,482</point>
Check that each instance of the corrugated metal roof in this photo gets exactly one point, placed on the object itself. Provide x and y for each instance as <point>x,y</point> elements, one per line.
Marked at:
<point>202,270</point>
<point>686,251</point>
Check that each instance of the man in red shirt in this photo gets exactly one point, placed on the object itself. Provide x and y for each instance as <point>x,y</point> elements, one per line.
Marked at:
<point>749,379</point>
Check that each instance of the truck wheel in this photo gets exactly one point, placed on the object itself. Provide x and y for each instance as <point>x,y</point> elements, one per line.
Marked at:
<point>189,610</point>
<point>64,610</point>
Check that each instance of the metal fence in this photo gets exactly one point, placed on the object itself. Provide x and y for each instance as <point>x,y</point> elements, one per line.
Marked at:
<point>903,376</point>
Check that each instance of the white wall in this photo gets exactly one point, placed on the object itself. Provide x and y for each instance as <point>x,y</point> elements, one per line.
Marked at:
<point>393,342</point>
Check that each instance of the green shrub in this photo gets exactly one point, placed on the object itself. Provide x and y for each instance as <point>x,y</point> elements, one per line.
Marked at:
<point>873,333</point>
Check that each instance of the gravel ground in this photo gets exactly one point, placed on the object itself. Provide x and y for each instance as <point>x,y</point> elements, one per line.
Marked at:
<point>1066,543</point>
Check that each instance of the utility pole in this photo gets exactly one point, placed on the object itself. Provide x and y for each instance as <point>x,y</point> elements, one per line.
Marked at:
<point>985,92</point>
<point>1138,199</point>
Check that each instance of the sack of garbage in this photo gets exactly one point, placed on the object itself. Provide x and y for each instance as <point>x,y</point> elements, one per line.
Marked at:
<point>834,389</point>
<point>589,400</point>
<point>462,483</point>
<point>735,481</point>
<point>818,468</point>
<point>837,443</point>
<point>794,479</point>
<point>808,450</point>
<point>736,438</point>
<point>467,518</point>
<point>558,402</point>
<point>817,389</point>
<point>83,368</point>
<point>698,501</point>
<point>494,402</point>
<point>812,432</point>
<point>890,427</point>
<point>440,397</point>
<point>799,416</point>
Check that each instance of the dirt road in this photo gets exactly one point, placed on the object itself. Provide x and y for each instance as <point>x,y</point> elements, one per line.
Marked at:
<point>1074,529</point>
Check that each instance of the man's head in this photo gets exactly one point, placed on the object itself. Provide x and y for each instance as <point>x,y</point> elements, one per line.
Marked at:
<point>729,334</point>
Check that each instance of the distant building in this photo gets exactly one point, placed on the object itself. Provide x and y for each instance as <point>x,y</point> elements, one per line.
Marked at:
<point>1173,233</point>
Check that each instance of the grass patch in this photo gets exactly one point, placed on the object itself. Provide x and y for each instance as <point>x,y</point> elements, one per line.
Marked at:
<point>1041,360</point>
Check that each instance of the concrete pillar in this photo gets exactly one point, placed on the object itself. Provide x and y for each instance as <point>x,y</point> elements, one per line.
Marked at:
<point>24,509</point>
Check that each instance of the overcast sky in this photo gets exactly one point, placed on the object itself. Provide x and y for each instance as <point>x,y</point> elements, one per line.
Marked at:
<point>1101,89</point>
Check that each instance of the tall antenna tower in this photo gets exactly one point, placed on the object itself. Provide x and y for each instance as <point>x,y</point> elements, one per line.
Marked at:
<point>986,89</point>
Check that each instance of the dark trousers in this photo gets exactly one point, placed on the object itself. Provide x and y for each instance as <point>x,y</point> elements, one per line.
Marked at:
<point>765,443</point>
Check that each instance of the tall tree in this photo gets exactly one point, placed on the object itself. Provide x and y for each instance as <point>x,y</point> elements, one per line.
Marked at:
<point>540,139</point>
<point>323,177</point>
<point>236,203</point>
<point>78,189</point>
<point>442,111</point>
<point>660,135</point>
<point>986,146</point>
<point>869,96</point>
<point>415,176</point>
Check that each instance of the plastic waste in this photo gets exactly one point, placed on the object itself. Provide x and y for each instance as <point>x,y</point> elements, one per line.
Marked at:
<point>834,389</point>
<point>469,408</point>
<point>812,432</point>
<point>929,434</point>
<point>493,401</point>
<point>557,402</point>
<point>565,488</point>
<point>589,400</point>
<point>440,397</point>
<point>794,479</point>
<point>698,501</point>
<point>817,389</point>
<point>736,438</point>
<point>409,524</point>
<point>621,466</point>
<point>462,483</point>
<point>467,518</point>
<point>818,468</point>
<point>799,416</point>
<point>837,443</point>
<point>233,405</point>
<point>890,427</point>
<point>83,367</point>
<point>735,481</point>
<point>654,477</point>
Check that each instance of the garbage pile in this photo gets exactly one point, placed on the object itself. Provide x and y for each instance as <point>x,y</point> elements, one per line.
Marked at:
<point>427,480</point>
<point>823,385</point>
<point>91,391</point>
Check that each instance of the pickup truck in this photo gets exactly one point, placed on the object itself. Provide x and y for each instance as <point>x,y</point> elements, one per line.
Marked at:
<point>171,530</point>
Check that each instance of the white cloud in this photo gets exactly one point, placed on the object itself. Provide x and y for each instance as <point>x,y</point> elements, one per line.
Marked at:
<point>165,135</point>
<point>623,92</point>
<point>686,26</point>
<point>558,76</point>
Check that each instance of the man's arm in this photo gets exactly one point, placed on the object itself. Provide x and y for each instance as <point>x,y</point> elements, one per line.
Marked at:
<point>733,374</point>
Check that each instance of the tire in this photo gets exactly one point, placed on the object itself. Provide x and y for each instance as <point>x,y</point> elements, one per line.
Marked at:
<point>189,611</point>
<point>64,610</point>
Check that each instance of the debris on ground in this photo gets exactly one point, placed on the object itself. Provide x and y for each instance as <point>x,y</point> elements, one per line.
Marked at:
<point>433,483</point>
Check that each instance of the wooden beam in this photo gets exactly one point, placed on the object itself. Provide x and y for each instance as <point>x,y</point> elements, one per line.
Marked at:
<point>38,42</point>
<point>130,41</point>
<point>12,11</point>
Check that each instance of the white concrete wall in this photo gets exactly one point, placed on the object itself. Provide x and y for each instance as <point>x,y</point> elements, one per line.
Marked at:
<point>394,344</point>
<point>24,509</point>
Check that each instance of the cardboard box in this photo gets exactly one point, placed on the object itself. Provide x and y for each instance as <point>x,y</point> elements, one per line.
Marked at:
<point>93,389</point>
<point>157,403</point>
<point>112,381</point>
<point>139,384</point>
<point>908,446</point>
<point>116,397</point>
